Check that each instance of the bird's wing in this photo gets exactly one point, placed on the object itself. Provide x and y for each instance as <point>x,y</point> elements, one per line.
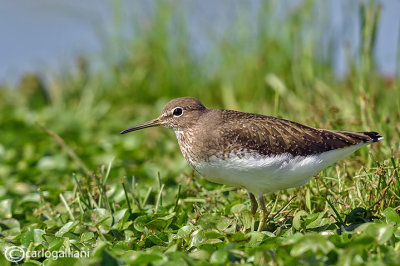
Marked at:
<point>270,135</point>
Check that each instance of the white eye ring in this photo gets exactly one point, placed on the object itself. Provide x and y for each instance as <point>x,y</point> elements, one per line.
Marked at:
<point>177,111</point>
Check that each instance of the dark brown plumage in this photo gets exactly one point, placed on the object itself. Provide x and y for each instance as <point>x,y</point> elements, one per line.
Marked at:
<point>269,135</point>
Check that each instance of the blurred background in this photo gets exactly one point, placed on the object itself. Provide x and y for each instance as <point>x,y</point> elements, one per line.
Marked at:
<point>73,74</point>
<point>47,36</point>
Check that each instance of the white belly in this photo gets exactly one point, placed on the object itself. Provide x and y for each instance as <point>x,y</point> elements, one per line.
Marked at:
<point>262,174</point>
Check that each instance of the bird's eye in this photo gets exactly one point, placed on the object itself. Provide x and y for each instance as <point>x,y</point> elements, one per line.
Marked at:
<point>177,111</point>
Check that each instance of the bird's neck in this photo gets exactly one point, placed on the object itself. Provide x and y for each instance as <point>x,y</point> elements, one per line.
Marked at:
<point>186,143</point>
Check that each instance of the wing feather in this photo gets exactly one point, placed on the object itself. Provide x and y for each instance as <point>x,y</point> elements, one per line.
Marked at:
<point>270,135</point>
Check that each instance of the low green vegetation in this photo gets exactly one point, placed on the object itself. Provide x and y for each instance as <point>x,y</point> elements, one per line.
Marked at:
<point>68,180</point>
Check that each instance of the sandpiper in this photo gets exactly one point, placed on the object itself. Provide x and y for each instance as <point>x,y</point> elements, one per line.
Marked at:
<point>259,153</point>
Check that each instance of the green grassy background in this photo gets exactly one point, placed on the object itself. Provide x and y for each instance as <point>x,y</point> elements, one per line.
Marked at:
<point>68,179</point>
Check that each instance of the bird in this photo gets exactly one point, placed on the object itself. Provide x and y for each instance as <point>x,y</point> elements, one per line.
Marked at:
<point>259,153</point>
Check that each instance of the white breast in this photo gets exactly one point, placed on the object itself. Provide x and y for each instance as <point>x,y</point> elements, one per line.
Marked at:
<point>262,174</point>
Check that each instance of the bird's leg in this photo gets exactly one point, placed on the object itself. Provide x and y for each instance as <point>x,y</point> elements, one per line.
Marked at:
<point>263,213</point>
<point>254,205</point>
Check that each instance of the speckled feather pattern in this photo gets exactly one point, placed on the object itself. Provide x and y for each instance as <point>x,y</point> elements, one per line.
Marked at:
<point>222,133</point>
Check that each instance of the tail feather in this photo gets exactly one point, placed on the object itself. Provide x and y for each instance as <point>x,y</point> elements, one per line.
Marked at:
<point>362,137</point>
<point>373,136</point>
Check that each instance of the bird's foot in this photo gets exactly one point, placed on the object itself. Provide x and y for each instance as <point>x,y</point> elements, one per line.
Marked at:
<point>263,214</point>
<point>263,218</point>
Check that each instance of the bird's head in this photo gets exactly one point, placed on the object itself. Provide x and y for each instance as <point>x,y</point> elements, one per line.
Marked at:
<point>178,114</point>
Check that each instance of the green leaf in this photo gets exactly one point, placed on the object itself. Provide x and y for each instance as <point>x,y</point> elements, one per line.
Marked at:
<point>69,261</point>
<point>239,237</point>
<point>313,242</point>
<point>120,216</point>
<point>87,236</point>
<point>297,220</point>
<point>392,217</point>
<point>158,239</point>
<point>380,232</point>
<point>243,214</point>
<point>70,226</point>
<point>167,217</point>
<point>212,221</point>
<point>257,237</point>
<point>201,254</point>
<point>140,223</point>
<point>238,208</point>
<point>11,223</point>
<point>145,259</point>
<point>213,241</point>
<point>220,256</point>
<point>5,209</point>
<point>185,232</point>
<point>101,245</point>
<point>351,256</point>
<point>33,235</point>
<point>314,220</point>
<point>214,234</point>
<point>56,243</point>
<point>198,238</point>
<point>108,259</point>
<point>103,217</point>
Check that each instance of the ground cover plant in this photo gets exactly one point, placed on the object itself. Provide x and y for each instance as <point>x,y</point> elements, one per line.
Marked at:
<point>68,180</point>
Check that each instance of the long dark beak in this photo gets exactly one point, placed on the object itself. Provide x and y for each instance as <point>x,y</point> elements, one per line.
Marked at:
<point>151,123</point>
